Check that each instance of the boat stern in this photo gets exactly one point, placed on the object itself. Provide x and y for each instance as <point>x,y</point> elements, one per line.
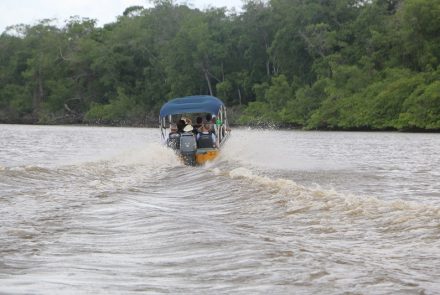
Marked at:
<point>204,155</point>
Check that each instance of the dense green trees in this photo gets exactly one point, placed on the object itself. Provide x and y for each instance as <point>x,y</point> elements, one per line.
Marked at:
<point>338,64</point>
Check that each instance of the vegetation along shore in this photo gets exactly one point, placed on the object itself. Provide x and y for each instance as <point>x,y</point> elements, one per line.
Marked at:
<point>338,64</point>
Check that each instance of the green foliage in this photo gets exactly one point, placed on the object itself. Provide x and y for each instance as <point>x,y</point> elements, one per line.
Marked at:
<point>122,108</point>
<point>307,99</point>
<point>270,105</point>
<point>422,108</point>
<point>14,97</point>
<point>338,64</point>
<point>257,114</point>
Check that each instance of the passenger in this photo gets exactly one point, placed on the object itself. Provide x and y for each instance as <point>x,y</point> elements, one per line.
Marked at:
<point>188,146</point>
<point>213,121</point>
<point>209,120</point>
<point>206,139</point>
<point>189,123</point>
<point>198,124</point>
<point>216,122</point>
<point>188,129</point>
<point>173,140</point>
<point>180,125</point>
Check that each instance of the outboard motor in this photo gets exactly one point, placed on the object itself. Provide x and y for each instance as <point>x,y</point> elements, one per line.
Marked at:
<point>188,148</point>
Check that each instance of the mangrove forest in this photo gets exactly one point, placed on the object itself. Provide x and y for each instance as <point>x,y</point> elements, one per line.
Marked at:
<point>315,64</point>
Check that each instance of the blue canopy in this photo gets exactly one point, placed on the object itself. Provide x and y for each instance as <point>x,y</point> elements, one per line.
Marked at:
<point>191,104</point>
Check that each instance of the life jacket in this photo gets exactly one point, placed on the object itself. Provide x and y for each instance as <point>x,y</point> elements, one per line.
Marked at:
<point>205,140</point>
<point>174,140</point>
<point>188,143</point>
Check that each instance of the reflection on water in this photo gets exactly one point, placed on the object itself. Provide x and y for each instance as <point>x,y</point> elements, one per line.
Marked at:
<point>108,210</point>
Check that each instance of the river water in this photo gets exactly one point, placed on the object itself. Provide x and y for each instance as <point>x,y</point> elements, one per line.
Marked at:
<point>109,211</point>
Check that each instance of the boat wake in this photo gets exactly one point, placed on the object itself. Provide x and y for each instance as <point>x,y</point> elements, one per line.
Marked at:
<point>141,164</point>
<point>298,198</point>
<point>284,218</point>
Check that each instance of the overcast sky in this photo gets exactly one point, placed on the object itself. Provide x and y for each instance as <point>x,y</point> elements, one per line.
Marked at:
<point>14,12</point>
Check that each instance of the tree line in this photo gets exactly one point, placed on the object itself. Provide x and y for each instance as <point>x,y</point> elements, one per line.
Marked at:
<point>315,64</point>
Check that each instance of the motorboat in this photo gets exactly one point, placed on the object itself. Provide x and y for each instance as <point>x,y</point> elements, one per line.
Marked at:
<point>192,141</point>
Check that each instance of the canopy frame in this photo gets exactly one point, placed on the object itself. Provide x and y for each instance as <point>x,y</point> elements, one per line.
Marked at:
<point>198,104</point>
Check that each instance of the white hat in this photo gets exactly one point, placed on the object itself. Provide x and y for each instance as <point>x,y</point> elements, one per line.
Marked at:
<point>188,128</point>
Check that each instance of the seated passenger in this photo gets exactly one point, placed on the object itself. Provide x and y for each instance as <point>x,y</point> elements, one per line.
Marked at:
<point>188,129</point>
<point>198,125</point>
<point>205,138</point>
<point>180,125</point>
<point>188,145</point>
<point>209,120</point>
<point>188,140</point>
<point>173,140</point>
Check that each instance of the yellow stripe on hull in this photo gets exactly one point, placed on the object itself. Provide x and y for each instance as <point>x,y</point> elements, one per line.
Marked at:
<point>202,156</point>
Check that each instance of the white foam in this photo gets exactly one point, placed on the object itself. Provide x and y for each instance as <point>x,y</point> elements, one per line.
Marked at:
<point>329,200</point>
<point>257,148</point>
<point>153,154</point>
<point>241,172</point>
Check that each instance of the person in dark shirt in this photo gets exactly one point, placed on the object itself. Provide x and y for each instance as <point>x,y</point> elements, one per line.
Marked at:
<point>180,125</point>
<point>198,125</point>
<point>211,121</point>
<point>208,118</point>
<point>205,138</point>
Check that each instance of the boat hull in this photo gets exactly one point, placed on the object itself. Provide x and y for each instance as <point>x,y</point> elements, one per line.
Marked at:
<point>205,155</point>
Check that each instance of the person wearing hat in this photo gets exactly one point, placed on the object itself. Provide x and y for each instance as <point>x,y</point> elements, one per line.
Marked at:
<point>188,145</point>
<point>188,129</point>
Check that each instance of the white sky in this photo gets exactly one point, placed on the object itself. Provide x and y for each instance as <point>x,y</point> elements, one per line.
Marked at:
<point>14,12</point>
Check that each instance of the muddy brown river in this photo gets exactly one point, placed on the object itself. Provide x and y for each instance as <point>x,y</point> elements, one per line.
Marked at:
<point>94,210</point>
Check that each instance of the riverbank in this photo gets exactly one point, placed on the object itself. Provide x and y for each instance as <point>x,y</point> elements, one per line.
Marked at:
<point>266,126</point>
